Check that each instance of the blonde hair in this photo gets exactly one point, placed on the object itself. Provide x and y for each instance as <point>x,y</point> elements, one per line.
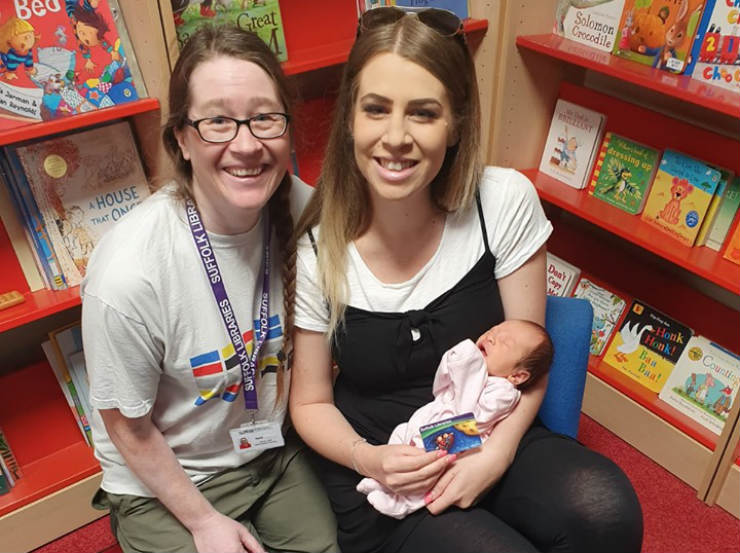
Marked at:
<point>207,43</point>
<point>13,27</point>
<point>342,204</point>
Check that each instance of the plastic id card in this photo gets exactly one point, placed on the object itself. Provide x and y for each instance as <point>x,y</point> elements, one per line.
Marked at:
<point>260,435</point>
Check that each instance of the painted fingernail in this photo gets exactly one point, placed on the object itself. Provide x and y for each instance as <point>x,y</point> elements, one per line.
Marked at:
<point>428,498</point>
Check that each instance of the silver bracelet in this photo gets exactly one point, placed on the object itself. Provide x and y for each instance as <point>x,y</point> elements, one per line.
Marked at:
<point>355,443</point>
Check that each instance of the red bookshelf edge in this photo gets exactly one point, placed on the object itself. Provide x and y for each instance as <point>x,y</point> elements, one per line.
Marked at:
<point>43,435</point>
<point>678,86</point>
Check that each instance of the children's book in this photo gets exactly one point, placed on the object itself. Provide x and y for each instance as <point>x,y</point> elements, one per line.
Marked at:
<point>14,469</point>
<point>593,22</point>
<point>704,383</point>
<point>623,172</point>
<point>647,345</point>
<point>561,276</point>
<point>28,211</point>
<point>83,183</point>
<point>608,308</point>
<point>68,389</point>
<point>682,191</point>
<point>658,33</point>
<point>67,341</point>
<point>728,207</point>
<point>4,485</point>
<point>63,58</point>
<point>732,248</point>
<point>724,179</point>
<point>259,16</point>
<point>574,135</point>
<point>458,7</point>
<point>716,54</point>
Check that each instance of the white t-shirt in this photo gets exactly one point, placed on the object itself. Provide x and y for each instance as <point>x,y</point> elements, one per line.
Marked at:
<point>516,227</point>
<point>154,338</point>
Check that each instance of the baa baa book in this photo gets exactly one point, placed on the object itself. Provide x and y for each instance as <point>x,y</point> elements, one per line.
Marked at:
<point>592,23</point>
<point>61,58</point>
<point>259,16</point>
<point>608,308</point>
<point>561,276</point>
<point>704,383</point>
<point>728,207</point>
<point>658,33</point>
<point>623,172</point>
<point>83,183</point>
<point>647,345</point>
<point>682,191</point>
<point>716,54</point>
<point>574,135</point>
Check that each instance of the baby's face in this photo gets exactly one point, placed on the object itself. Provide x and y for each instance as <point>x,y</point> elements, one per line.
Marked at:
<point>504,345</point>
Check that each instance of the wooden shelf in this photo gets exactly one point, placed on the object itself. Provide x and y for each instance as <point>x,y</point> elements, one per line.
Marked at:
<point>43,434</point>
<point>76,122</point>
<point>701,261</point>
<point>678,86</point>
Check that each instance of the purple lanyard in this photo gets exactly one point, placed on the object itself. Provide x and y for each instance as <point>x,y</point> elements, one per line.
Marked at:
<point>207,256</point>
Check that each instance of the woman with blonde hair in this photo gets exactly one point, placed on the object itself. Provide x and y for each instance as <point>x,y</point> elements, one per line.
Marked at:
<point>408,247</point>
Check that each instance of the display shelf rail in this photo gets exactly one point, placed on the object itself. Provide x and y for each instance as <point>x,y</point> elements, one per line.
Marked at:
<point>679,86</point>
<point>38,305</point>
<point>43,434</point>
<point>77,122</point>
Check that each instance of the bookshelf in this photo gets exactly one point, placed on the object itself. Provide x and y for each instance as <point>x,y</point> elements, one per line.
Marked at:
<point>694,285</point>
<point>61,473</point>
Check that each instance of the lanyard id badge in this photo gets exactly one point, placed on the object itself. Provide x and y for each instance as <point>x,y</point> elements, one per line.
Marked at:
<point>247,363</point>
<point>256,436</point>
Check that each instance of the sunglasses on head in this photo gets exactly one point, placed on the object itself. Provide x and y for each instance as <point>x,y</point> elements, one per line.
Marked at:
<point>444,22</point>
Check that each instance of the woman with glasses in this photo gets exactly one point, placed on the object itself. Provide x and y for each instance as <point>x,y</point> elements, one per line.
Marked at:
<point>187,317</point>
<point>408,247</point>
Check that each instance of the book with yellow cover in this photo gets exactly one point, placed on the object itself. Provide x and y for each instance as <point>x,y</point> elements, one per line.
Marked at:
<point>681,193</point>
<point>648,345</point>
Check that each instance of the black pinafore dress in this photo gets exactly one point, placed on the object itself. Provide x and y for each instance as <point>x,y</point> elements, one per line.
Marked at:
<point>387,366</point>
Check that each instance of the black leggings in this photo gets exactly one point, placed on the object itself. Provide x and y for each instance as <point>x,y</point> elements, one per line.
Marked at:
<point>556,496</point>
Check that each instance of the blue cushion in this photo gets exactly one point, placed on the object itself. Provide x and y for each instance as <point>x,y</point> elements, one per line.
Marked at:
<point>568,320</point>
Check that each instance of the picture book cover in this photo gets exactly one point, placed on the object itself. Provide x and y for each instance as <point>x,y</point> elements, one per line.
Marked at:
<point>66,342</point>
<point>728,207</point>
<point>647,345</point>
<point>716,57</point>
<point>60,58</point>
<point>561,276</point>
<point>623,172</point>
<point>608,308</point>
<point>706,225</point>
<point>68,389</point>
<point>680,196</point>
<point>590,22</point>
<point>704,383</point>
<point>732,247</point>
<point>84,182</point>
<point>575,133</point>
<point>259,16</point>
<point>658,33</point>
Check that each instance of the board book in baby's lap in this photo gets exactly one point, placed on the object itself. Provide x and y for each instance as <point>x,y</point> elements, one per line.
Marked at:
<point>623,172</point>
<point>704,383</point>
<point>574,135</point>
<point>680,196</point>
<point>608,308</point>
<point>592,23</point>
<point>647,345</point>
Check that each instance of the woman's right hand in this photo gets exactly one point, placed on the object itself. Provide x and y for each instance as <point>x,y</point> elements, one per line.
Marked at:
<point>225,535</point>
<point>403,469</point>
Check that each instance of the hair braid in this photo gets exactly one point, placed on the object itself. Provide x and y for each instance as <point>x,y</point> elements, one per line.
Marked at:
<point>282,222</point>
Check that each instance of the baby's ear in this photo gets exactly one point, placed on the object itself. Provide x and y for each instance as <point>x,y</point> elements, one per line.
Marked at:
<point>519,376</point>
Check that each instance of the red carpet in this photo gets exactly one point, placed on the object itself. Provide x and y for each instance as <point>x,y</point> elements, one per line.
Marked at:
<point>675,520</point>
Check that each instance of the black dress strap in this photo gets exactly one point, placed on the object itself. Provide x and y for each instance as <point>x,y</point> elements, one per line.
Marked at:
<point>482,221</point>
<point>313,242</point>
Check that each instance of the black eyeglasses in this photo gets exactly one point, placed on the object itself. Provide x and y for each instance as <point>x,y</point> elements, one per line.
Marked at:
<point>444,22</point>
<point>222,129</point>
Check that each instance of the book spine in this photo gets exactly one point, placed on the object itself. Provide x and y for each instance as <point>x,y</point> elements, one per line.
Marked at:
<point>599,162</point>
<point>14,469</point>
<point>29,214</point>
<point>701,29</point>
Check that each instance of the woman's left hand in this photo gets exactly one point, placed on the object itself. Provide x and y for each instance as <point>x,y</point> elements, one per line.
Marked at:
<point>467,479</point>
